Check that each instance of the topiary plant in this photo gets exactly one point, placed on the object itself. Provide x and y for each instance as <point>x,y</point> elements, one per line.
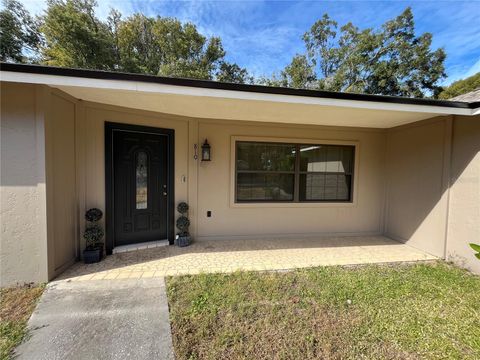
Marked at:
<point>93,235</point>
<point>182,208</point>
<point>93,215</point>
<point>183,223</point>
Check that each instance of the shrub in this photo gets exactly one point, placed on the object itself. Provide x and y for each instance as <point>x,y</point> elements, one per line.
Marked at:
<point>93,215</point>
<point>182,224</point>
<point>182,208</point>
<point>93,235</point>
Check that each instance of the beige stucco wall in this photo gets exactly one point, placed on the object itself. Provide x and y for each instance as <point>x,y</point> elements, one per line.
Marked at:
<point>269,220</point>
<point>23,245</point>
<point>433,187</point>
<point>417,184</point>
<point>212,191</point>
<point>464,209</point>
<point>62,212</point>
<point>39,213</point>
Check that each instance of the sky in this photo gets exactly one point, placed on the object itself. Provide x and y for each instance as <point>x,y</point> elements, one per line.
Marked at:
<point>263,36</point>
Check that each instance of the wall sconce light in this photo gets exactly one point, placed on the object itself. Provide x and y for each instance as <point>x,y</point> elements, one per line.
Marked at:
<point>206,156</point>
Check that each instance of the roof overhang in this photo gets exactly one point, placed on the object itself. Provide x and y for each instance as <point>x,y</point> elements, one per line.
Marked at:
<point>206,99</point>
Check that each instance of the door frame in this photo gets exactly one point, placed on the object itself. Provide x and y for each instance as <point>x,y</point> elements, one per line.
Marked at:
<point>110,129</point>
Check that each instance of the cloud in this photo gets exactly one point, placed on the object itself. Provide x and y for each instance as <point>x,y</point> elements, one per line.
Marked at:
<point>249,37</point>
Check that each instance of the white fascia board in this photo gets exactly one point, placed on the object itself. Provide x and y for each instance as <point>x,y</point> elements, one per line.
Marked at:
<point>138,86</point>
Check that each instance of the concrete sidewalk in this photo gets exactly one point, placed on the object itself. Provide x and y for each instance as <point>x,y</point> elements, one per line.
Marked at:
<point>121,319</point>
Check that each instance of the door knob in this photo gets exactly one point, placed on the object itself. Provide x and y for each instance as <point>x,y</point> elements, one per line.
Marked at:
<point>165,193</point>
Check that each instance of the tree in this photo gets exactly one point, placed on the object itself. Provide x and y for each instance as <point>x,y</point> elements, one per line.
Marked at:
<point>75,37</point>
<point>233,73</point>
<point>113,22</point>
<point>299,74</point>
<point>461,87</point>
<point>19,33</point>
<point>388,61</point>
<point>165,46</point>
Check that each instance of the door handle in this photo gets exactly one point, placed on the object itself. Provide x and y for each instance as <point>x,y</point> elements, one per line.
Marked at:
<point>165,193</point>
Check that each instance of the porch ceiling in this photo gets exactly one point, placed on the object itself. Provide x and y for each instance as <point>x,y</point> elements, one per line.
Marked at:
<point>212,107</point>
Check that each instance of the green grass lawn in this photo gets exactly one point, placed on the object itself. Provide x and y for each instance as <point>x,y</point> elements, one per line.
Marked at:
<point>16,306</point>
<point>422,311</point>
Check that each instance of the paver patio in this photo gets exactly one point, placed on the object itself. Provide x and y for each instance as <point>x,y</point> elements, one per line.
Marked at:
<point>233,255</point>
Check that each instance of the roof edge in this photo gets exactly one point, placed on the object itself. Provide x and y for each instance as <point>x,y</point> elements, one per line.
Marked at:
<point>209,84</point>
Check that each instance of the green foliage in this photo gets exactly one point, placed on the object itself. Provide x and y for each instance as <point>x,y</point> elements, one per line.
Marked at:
<point>199,304</point>
<point>16,306</point>
<point>93,215</point>
<point>93,235</point>
<point>182,208</point>
<point>19,33</point>
<point>461,87</point>
<point>75,37</point>
<point>232,73</point>
<point>421,311</point>
<point>165,46</point>
<point>182,224</point>
<point>299,74</point>
<point>391,60</point>
<point>477,250</point>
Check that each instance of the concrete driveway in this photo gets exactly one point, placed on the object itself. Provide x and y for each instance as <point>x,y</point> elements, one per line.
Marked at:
<point>120,319</point>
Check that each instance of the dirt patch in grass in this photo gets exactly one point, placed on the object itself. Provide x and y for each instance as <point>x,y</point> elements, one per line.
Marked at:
<point>381,312</point>
<point>16,306</point>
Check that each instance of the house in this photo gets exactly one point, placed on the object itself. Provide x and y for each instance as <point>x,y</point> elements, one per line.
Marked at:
<point>283,162</point>
<point>472,96</point>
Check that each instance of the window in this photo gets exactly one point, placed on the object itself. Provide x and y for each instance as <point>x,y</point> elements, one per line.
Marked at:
<point>284,172</point>
<point>141,176</point>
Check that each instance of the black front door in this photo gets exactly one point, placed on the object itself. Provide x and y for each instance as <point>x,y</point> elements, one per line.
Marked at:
<point>140,184</point>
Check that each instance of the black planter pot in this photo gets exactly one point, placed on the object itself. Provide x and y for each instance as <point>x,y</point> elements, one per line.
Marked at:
<point>183,241</point>
<point>92,256</point>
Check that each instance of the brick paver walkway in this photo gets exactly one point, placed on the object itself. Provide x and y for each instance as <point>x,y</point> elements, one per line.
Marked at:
<point>232,255</point>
